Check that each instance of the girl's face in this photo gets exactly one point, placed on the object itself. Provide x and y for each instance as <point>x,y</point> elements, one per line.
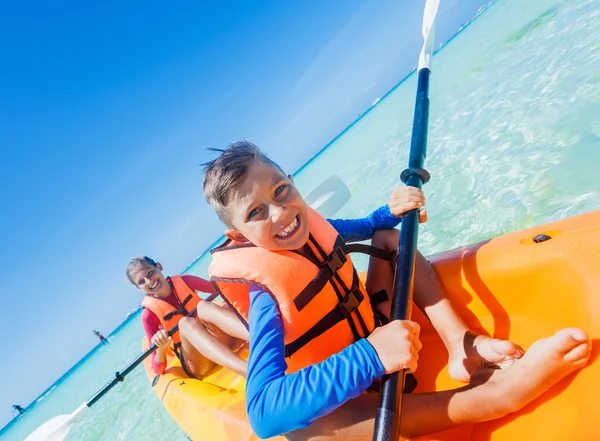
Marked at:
<point>151,280</point>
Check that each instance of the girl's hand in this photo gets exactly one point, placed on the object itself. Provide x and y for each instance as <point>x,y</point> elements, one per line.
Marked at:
<point>162,340</point>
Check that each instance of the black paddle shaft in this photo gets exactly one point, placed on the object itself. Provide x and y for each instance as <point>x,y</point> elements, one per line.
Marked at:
<point>387,420</point>
<point>120,376</point>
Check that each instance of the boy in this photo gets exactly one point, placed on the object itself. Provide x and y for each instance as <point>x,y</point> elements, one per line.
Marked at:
<point>281,270</point>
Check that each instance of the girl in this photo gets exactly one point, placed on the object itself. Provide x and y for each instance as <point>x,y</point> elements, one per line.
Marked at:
<point>201,343</point>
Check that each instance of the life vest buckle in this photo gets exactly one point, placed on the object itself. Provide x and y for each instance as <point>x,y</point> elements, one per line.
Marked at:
<point>335,260</point>
<point>352,301</point>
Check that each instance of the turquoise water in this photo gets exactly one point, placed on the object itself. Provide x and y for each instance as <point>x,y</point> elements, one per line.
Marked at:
<point>514,142</point>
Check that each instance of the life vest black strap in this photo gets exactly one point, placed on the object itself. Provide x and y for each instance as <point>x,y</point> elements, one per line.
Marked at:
<point>370,250</point>
<point>184,365</point>
<point>328,270</point>
<point>341,312</point>
<point>363,325</point>
<point>183,310</point>
<point>333,262</point>
<point>180,311</point>
<point>177,349</point>
<point>341,291</point>
<point>356,286</point>
<point>186,300</point>
<point>379,297</point>
<point>376,299</point>
<point>338,242</point>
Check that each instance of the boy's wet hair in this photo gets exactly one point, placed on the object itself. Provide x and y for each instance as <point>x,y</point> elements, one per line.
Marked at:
<point>225,174</point>
<point>135,263</point>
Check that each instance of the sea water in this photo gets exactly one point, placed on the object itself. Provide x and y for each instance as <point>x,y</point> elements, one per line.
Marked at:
<point>514,142</point>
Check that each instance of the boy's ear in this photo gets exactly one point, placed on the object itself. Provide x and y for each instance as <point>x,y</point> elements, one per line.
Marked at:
<point>159,266</point>
<point>235,235</point>
<point>291,179</point>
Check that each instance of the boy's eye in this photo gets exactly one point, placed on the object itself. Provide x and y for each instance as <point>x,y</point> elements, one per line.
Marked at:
<point>280,189</point>
<point>141,282</point>
<point>253,213</point>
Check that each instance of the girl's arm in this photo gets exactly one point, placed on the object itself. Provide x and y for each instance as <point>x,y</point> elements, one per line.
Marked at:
<point>151,325</point>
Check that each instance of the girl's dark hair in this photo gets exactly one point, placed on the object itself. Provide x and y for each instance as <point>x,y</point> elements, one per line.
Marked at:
<point>136,262</point>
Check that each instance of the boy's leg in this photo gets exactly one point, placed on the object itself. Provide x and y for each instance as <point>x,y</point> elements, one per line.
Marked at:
<point>202,349</point>
<point>492,394</point>
<point>467,351</point>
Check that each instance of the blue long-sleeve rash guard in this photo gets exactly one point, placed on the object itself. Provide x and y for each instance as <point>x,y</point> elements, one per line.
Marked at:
<point>356,230</point>
<point>278,403</point>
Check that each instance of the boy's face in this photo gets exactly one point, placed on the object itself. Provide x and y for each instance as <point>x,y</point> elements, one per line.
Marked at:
<point>267,210</point>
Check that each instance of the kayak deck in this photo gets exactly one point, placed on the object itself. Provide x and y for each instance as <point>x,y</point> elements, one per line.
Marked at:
<point>508,287</point>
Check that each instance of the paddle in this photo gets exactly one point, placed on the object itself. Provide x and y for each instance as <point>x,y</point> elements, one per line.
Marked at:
<point>327,198</point>
<point>58,427</point>
<point>387,420</point>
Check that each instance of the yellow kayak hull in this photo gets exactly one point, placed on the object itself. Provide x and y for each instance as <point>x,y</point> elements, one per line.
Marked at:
<point>508,287</point>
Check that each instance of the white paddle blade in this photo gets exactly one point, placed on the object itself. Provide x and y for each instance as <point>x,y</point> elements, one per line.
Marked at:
<point>58,427</point>
<point>431,8</point>
<point>329,196</point>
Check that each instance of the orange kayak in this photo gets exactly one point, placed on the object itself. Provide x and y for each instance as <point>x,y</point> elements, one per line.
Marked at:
<point>523,286</point>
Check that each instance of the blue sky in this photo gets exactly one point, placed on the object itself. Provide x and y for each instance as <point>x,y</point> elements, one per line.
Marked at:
<point>105,112</point>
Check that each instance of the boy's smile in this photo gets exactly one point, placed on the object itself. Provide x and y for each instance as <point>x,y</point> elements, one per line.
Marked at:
<point>267,210</point>
<point>290,230</point>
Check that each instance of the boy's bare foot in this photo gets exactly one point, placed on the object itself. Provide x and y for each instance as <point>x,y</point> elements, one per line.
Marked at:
<point>473,352</point>
<point>545,363</point>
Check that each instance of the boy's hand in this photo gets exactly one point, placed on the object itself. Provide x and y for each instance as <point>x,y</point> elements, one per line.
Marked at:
<point>406,198</point>
<point>397,345</point>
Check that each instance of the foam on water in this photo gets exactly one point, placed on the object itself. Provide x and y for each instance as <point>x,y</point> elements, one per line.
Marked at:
<point>514,136</point>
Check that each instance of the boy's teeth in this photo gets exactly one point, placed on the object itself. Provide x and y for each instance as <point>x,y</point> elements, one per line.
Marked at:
<point>287,230</point>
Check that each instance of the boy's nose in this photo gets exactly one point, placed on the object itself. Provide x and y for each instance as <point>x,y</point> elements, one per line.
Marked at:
<point>277,212</point>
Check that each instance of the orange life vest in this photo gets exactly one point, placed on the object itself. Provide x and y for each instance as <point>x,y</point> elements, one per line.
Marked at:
<point>324,306</point>
<point>168,315</point>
